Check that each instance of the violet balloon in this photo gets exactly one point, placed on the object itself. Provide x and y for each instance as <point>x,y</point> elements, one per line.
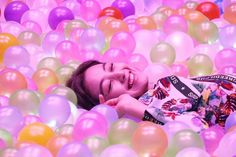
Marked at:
<point>14,11</point>
<point>59,14</point>
<point>125,6</point>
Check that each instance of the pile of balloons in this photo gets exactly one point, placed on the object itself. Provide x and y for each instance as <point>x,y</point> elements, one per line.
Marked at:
<point>43,41</point>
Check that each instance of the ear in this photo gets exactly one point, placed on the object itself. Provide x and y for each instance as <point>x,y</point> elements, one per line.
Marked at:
<point>101,99</point>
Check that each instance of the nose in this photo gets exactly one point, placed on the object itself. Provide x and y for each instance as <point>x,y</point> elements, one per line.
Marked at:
<point>117,75</point>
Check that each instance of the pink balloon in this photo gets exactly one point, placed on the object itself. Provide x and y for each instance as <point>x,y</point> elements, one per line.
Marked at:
<point>4,101</point>
<point>175,23</point>
<point>179,70</point>
<point>229,69</point>
<point>225,57</point>
<point>29,119</point>
<point>90,10</point>
<point>62,25</point>
<point>76,34</point>
<point>66,51</point>
<point>89,55</point>
<point>132,25</point>
<point>173,3</point>
<point>73,5</point>
<point>31,84</point>
<point>115,55</point>
<point>26,70</point>
<point>138,61</point>
<point>124,41</point>
<point>32,26</point>
<point>33,151</point>
<point>12,27</point>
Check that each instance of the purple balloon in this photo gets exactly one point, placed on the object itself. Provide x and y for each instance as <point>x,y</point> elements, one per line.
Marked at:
<point>15,10</point>
<point>125,6</point>
<point>58,15</point>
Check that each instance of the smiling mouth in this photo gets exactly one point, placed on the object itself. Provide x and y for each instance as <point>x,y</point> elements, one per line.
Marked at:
<point>130,80</point>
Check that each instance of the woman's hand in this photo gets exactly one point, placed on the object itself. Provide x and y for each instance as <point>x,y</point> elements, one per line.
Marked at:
<point>125,104</point>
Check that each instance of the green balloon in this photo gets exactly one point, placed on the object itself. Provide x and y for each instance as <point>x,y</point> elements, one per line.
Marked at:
<point>121,131</point>
<point>66,92</point>
<point>200,65</point>
<point>96,144</point>
<point>6,137</point>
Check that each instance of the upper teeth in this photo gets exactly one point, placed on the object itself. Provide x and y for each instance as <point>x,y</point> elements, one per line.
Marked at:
<point>131,79</point>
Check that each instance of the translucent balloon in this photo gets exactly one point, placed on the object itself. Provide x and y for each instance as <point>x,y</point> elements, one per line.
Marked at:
<point>119,151</point>
<point>66,51</point>
<point>121,131</point>
<point>162,53</point>
<point>74,64</point>
<point>65,130</point>
<point>125,6</point>
<point>29,37</point>
<point>149,139</point>
<point>206,32</point>
<point>9,152</point>
<point>51,63</point>
<point>159,18</point>
<point>132,25</point>
<point>96,145</point>
<point>6,41</point>
<point>6,137</point>
<point>224,58</point>
<point>209,9</point>
<point>138,61</point>
<point>182,43</point>
<point>228,36</point>
<point>229,13</point>
<point>54,110</point>
<point>115,55</point>
<point>230,121</point>
<point>10,81</point>
<point>228,140</point>
<point>107,111</point>
<point>25,100</point>
<point>92,39</point>
<point>200,65</point>
<point>230,69</point>
<point>59,14</point>
<point>175,23</point>
<point>51,40</point>
<point>33,151</point>
<point>56,143</point>
<point>146,22</point>
<point>66,92</point>
<point>89,55</point>
<point>76,34</point>
<point>195,152</point>
<point>41,3</point>
<point>90,123</point>
<point>113,27</point>
<point>74,149</point>
<point>44,78</point>
<point>16,56</point>
<point>38,133</point>
<point>4,101</point>
<point>13,28</point>
<point>32,26</point>
<point>179,70</point>
<point>90,9</point>
<point>173,4</point>
<point>11,119</point>
<point>72,25</point>
<point>111,12</point>
<point>73,5</point>
<point>30,119</point>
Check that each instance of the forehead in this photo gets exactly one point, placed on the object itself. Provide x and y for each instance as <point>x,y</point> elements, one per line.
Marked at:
<point>92,79</point>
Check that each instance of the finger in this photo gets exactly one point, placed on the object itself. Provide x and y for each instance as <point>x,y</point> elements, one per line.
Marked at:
<point>101,99</point>
<point>112,102</point>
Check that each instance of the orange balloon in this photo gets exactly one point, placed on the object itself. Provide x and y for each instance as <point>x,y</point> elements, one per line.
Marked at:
<point>146,22</point>
<point>149,139</point>
<point>38,133</point>
<point>56,143</point>
<point>230,13</point>
<point>44,78</point>
<point>10,81</point>
<point>167,11</point>
<point>115,26</point>
<point>6,40</point>
<point>195,17</point>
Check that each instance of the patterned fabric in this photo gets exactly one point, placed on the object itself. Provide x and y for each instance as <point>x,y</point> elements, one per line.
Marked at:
<point>200,102</point>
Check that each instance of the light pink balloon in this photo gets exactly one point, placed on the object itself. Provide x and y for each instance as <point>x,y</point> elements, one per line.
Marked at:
<point>89,55</point>
<point>76,34</point>
<point>73,5</point>
<point>225,57</point>
<point>138,61</point>
<point>115,55</point>
<point>12,27</point>
<point>90,10</point>
<point>175,23</point>
<point>132,25</point>
<point>4,101</point>
<point>173,3</point>
<point>32,26</point>
<point>179,70</point>
<point>230,69</point>
<point>29,119</point>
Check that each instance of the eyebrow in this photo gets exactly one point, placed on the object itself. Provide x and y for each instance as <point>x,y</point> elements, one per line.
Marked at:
<point>100,85</point>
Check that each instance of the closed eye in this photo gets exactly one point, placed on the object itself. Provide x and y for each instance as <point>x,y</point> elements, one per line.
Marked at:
<point>111,67</point>
<point>110,86</point>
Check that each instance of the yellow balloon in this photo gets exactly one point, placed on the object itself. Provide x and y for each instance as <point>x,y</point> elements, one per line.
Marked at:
<point>6,40</point>
<point>64,73</point>
<point>38,133</point>
<point>200,65</point>
<point>50,63</point>
<point>29,37</point>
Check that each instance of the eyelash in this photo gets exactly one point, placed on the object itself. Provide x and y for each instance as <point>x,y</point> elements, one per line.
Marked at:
<point>111,67</point>
<point>110,85</point>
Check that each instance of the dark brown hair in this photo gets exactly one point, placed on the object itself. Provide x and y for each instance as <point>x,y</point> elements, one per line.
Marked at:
<point>76,83</point>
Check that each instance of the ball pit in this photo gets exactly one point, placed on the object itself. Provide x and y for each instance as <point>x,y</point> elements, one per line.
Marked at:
<point>43,41</point>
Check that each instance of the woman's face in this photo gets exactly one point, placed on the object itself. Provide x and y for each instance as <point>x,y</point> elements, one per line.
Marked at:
<point>113,79</point>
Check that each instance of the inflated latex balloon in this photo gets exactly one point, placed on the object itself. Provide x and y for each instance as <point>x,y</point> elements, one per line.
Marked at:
<point>209,9</point>
<point>179,70</point>
<point>162,53</point>
<point>228,36</point>
<point>195,17</point>
<point>12,28</point>
<point>6,137</point>
<point>119,151</point>
<point>200,65</point>
<point>38,133</point>
<point>96,144</point>
<point>16,56</point>
<point>224,58</point>
<point>89,9</point>
<point>229,13</point>
<point>11,119</point>
<point>25,100</point>
<point>112,12</point>
<point>132,25</point>
<point>59,14</point>
<point>115,55</point>
<point>51,63</point>
<point>9,152</point>
<point>138,61</point>
<point>29,37</point>
<point>14,11</point>
<point>74,149</point>
<point>32,26</point>
<point>54,110</point>
<point>121,131</point>
<point>125,6</point>
<point>64,73</point>
<point>159,18</point>
<point>6,40</point>
<point>173,4</point>
<point>4,101</point>
<point>195,152</point>
<point>44,78</point>
<point>65,130</point>
<point>149,139</point>
<point>30,119</point>
<point>229,69</point>
<point>175,23</point>
<point>33,151</point>
<point>10,81</point>
<point>230,121</point>
<point>146,22</point>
